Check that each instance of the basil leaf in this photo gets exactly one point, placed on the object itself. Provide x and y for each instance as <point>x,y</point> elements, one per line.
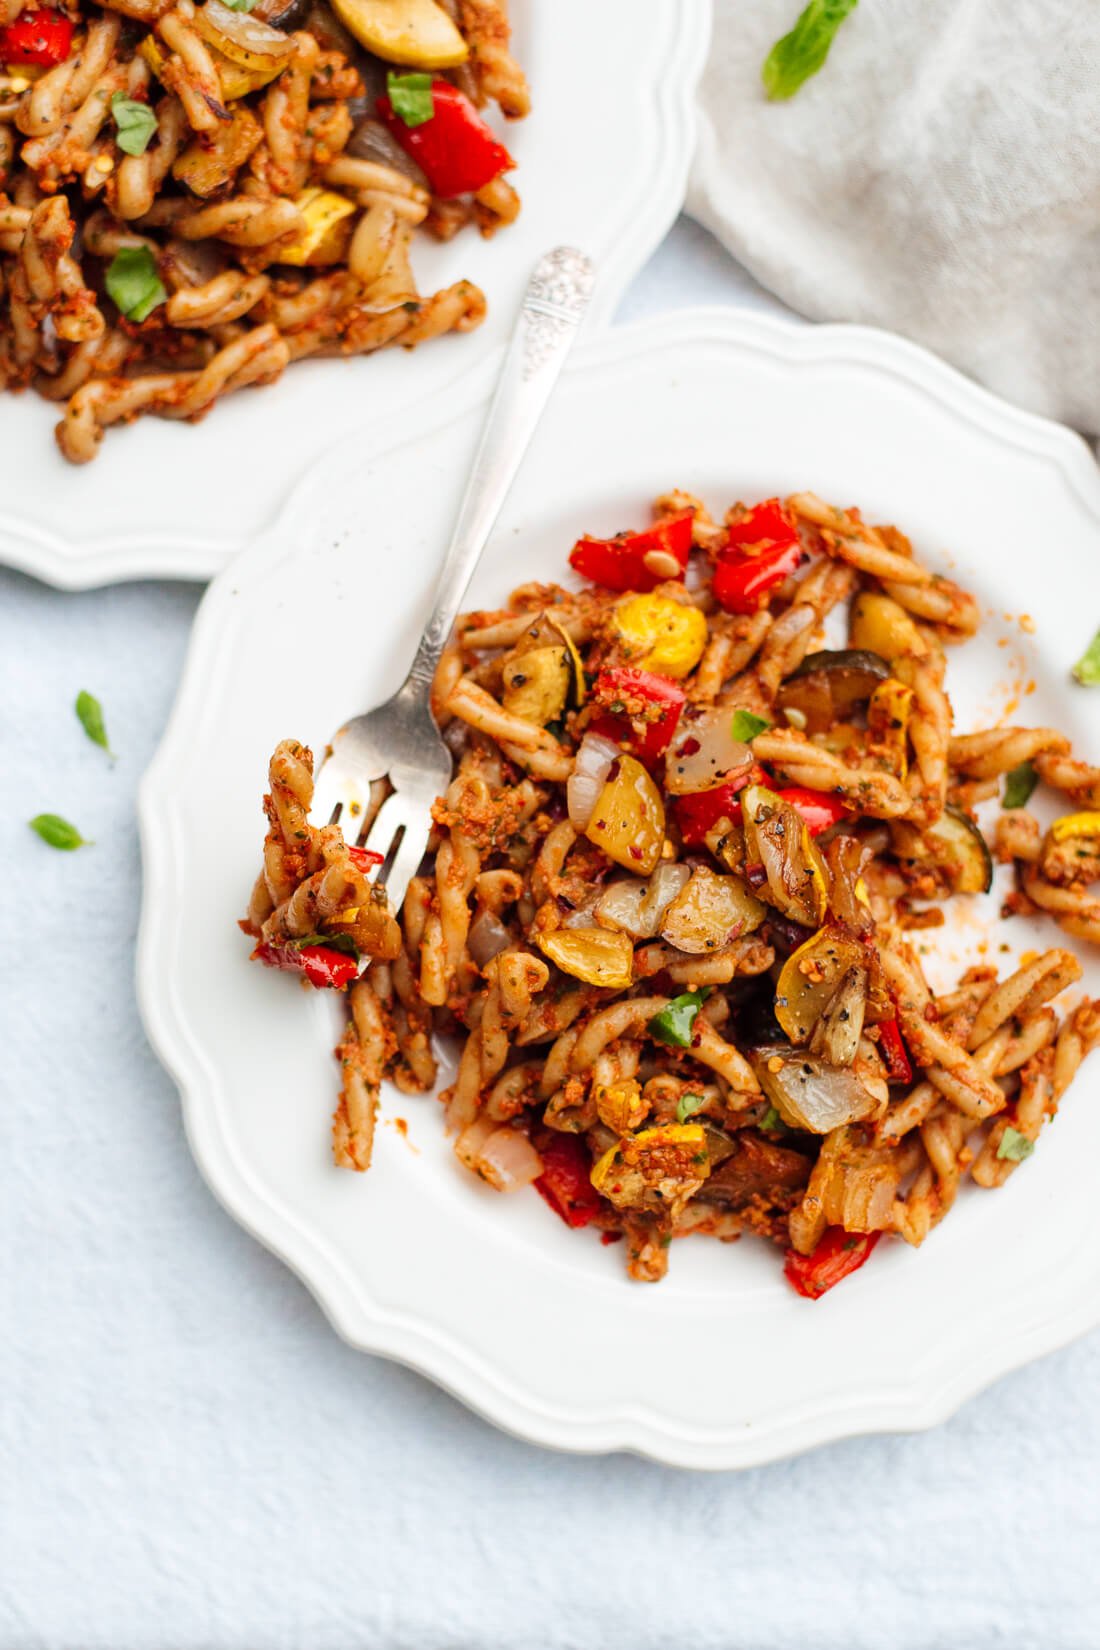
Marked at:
<point>688,1105</point>
<point>135,122</point>
<point>90,714</point>
<point>1015,1146</point>
<point>133,283</point>
<point>343,943</point>
<point>240,5</point>
<point>746,726</point>
<point>772,1121</point>
<point>411,97</point>
<point>1087,668</point>
<point>673,1025</point>
<point>802,53</point>
<point>58,832</point>
<point>1019,784</point>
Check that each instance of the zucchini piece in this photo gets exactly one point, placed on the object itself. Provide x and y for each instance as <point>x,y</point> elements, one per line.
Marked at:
<point>955,844</point>
<point>882,625</point>
<point>827,684</point>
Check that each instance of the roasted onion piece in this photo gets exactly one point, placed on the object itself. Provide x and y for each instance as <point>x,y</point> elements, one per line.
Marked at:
<point>810,1094</point>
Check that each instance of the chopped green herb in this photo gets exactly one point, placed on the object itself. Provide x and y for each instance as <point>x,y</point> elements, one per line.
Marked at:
<point>1087,668</point>
<point>674,1024</point>
<point>135,121</point>
<point>332,942</point>
<point>1015,1146</point>
<point>133,283</point>
<point>802,52</point>
<point>90,713</point>
<point>1019,784</point>
<point>746,726</point>
<point>688,1105</point>
<point>771,1120</point>
<point>240,5</point>
<point>411,97</point>
<point>58,832</point>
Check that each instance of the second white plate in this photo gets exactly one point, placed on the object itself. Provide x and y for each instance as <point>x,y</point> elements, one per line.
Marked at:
<point>602,164</point>
<point>721,1364</point>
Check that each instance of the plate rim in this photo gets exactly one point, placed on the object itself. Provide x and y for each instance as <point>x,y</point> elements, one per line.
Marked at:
<point>27,547</point>
<point>932,1395</point>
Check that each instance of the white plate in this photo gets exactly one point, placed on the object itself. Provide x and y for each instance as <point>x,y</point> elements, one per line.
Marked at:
<point>602,160</point>
<point>721,1365</point>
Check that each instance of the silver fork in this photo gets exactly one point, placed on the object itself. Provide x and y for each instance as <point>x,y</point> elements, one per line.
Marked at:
<point>386,768</point>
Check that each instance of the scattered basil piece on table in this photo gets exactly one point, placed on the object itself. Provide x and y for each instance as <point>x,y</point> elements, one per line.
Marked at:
<point>90,714</point>
<point>802,52</point>
<point>1087,668</point>
<point>58,832</point>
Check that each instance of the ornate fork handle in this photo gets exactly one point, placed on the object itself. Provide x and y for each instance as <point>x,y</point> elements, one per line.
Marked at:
<point>554,304</point>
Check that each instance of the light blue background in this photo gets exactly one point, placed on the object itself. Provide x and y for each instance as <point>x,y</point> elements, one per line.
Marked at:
<point>190,1459</point>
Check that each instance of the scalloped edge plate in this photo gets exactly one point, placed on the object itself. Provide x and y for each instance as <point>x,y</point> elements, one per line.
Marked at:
<point>532,1325</point>
<point>76,528</point>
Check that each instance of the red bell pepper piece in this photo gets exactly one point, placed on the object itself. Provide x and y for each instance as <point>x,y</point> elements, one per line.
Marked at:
<point>320,965</point>
<point>817,809</point>
<point>564,1182</point>
<point>895,1055</point>
<point>620,563</point>
<point>365,858</point>
<point>696,813</point>
<point>837,1255</point>
<point>38,39</point>
<point>742,586</point>
<point>766,524</point>
<point>457,152</point>
<point>626,683</point>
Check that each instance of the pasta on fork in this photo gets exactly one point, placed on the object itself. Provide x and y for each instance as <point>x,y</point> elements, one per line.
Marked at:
<point>673,903</point>
<point>195,193</point>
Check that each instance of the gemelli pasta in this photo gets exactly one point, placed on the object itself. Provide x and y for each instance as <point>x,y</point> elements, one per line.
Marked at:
<point>672,904</point>
<point>196,193</point>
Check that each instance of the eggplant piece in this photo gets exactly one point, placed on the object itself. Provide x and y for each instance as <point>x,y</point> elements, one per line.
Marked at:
<point>287,15</point>
<point>208,165</point>
<point>755,1167</point>
<point>371,141</point>
<point>828,684</point>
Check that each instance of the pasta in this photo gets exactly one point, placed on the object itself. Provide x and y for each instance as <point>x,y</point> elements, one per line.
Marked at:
<point>666,903</point>
<point>193,195</point>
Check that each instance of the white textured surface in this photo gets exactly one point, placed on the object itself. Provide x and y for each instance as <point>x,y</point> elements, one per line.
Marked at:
<point>190,1458</point>
<point>938,177</point>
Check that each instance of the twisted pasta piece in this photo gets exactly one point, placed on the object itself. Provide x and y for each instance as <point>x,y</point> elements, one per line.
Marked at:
<point>803,763</point>
<point>362,1053</point>
<point>258,357</point>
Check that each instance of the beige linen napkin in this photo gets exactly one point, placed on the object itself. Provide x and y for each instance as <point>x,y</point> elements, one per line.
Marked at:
<point>939,177</point>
